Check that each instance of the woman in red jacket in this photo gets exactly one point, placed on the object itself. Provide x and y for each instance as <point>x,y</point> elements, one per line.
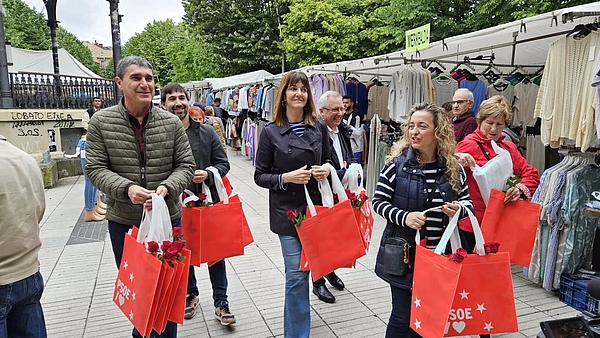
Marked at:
<point>494,115</point>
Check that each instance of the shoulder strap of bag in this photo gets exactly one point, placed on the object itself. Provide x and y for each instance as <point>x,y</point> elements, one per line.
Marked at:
<point>487,157</point>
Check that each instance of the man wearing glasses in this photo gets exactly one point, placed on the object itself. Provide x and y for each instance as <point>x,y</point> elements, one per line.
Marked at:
<point>464,121</point>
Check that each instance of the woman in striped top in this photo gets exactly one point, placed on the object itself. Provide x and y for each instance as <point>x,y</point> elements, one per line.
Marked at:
<point>422,172</point>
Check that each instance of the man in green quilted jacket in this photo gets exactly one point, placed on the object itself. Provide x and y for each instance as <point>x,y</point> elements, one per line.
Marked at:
<point>135,149</point>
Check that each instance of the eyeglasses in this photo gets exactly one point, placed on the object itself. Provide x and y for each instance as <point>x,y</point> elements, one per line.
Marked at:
<point>336,110</point>
<point>459,102</point>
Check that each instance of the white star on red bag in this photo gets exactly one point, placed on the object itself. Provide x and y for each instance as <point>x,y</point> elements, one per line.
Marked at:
<point>133,296</point>
<point>131,277</point>
<point>125,265</point>
<point>480,308</point>
<point>417,302</point>
<point>488,327</point>
<point>464,294</point>
<point>130,315</point>
<point>417,324</point>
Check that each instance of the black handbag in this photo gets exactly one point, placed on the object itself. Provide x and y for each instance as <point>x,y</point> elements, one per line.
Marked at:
<point>396,255</point>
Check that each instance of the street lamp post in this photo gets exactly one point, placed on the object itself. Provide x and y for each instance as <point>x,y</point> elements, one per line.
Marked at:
<point>53,24</point>
<point>115,19</point>
<point>6,100</point>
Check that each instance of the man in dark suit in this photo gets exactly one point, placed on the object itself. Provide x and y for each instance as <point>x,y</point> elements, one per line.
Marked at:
<point>208,152</point>
<point>331,111</point>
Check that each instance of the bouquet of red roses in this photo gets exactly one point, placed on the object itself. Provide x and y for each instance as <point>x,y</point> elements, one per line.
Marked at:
<point>196,200</point>
<point>357,200</point>
<point>168,251</point>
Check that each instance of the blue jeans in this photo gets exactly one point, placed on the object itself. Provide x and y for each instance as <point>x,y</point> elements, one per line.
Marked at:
<point>21,314</point>
<point>89,191</point>
<point>296,311</point>
<point>399,323</point>
<point>117,233</point>
<point>357,157</point>
<point>218,280</point>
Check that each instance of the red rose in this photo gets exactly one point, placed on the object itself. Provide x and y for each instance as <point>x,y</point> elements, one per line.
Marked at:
<point>461,252</point>
<point>491,247</point>
<point>152,247</point>
<point>458,256</point>
<point>172,251</point>
<point>178,245</point>
<point>291,214</point>
<point>336,200</point>
<point>349,193</point>
<point>363,196</point>
<point>166,245</point>
<point>202,197</point>
<point>177,232</point>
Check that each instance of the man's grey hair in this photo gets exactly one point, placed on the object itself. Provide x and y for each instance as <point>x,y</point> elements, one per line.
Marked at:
<point>131,60</point>
<point>467,92</point>
<point>331,93</point>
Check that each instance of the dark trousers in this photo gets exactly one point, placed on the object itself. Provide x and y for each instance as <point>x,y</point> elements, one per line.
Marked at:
<point>218,280</point>
<point>399,323</point>
<point>117,233</point>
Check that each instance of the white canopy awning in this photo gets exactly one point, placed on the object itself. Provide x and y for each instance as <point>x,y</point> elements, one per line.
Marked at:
<point>230,81</point>
<point>533,38</point>
<point>40,61</point>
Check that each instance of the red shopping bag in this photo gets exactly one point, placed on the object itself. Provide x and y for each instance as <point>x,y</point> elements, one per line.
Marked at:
<point>192,233</point>
<point>136,284</point>
<point>160,304</point>
<point>513,224</point>
<point>247,237</point>
<point>178,308</point>
<point>484,302</point>
<point>330,239</point>
<point>364,219</point>
<point>222,232</point>
<point>432,297</point>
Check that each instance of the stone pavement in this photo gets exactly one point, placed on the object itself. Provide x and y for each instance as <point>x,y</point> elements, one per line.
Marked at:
<point>79,270</point>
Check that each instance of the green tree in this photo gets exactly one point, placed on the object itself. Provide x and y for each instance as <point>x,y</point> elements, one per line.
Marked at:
<point>153,44</point>
<point>191,59</point>
<point>25,27</point>
<point>242,35</point>
<point>326,31</point>
<point>71,44</point>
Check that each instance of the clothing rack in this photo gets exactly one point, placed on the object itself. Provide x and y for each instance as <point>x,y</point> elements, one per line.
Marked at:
<point>469,64</point>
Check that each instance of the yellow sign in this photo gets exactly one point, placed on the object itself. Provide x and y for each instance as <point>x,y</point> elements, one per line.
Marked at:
<point>418,38</point>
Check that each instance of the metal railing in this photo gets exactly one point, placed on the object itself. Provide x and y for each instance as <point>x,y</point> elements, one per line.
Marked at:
<point>48,91</point>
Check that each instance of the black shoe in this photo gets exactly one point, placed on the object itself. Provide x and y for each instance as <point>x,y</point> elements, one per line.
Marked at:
<point>335,281</point>
<point>323,294</point>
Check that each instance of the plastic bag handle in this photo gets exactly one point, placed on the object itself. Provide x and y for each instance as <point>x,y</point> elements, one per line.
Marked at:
<point>221,191</point>
<point>156,223</point>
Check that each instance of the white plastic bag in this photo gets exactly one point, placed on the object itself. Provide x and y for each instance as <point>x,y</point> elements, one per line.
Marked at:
<point>494,173</point>
<point>353,177</point>
<point>156,224</point>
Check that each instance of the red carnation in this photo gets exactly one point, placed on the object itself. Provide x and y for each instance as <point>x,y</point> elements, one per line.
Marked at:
<point>491,247</point>
<point>152,247</point>
<point>291,214</point>
<point>177,232</point>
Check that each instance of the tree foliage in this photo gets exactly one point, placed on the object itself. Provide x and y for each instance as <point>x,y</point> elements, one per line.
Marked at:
<point>318,31</point>
<point>71,44</point>
<point>242,35</point>
<point>25,27</point>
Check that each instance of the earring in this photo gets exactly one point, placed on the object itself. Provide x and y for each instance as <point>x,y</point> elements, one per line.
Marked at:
<point>283,103</point>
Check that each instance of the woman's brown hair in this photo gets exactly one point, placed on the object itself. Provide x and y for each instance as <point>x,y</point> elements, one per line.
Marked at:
<point>290,79</point>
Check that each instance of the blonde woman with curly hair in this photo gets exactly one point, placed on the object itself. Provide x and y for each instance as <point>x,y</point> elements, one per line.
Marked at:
<point>422,172</point>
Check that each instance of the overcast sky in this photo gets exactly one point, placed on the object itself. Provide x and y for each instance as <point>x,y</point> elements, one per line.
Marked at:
<point>89,21</point>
